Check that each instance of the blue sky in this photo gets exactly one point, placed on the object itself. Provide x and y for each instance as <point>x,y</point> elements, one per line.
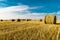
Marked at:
<point>49,5</point>
<point>33,9</point>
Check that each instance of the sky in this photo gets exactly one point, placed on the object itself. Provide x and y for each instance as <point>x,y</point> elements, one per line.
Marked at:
<point>28,9</point>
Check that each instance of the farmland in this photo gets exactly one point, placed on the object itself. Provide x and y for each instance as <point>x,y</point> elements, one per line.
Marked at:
<point>29,30</point>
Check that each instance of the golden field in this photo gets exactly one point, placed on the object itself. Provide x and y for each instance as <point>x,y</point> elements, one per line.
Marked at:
<point>29,30</point>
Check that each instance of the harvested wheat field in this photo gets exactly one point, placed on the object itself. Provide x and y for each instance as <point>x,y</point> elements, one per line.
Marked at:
<point>29,30</point>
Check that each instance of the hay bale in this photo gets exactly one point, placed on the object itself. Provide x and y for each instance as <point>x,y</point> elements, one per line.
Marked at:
<point>18,20</point>
<point>28,19</point>
<point>50,19</point>
<point>13,19</point>
<point>40,19</point>
<point>1,20</point>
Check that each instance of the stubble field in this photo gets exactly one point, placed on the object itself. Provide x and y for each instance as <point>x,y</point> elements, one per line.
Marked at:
<point>29,30</point>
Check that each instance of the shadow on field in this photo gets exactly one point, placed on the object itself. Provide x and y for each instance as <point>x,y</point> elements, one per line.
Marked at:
<point>58,23</point>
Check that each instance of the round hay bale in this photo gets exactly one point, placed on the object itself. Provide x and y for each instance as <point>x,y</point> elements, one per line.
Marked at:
<point>28,19</point>
<point>1,20</point>
<point>40,19</point>
<point>50,19</point>
<point>18,20</point>
<point>13,19</point>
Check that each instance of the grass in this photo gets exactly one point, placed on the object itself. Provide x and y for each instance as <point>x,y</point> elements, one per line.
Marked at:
<point>31,30</point>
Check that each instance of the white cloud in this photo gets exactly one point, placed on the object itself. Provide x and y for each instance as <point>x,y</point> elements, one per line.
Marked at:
<point>15,8</point>
<point>20,11</point>
<point>33,16</point>
<point>37,7</point>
